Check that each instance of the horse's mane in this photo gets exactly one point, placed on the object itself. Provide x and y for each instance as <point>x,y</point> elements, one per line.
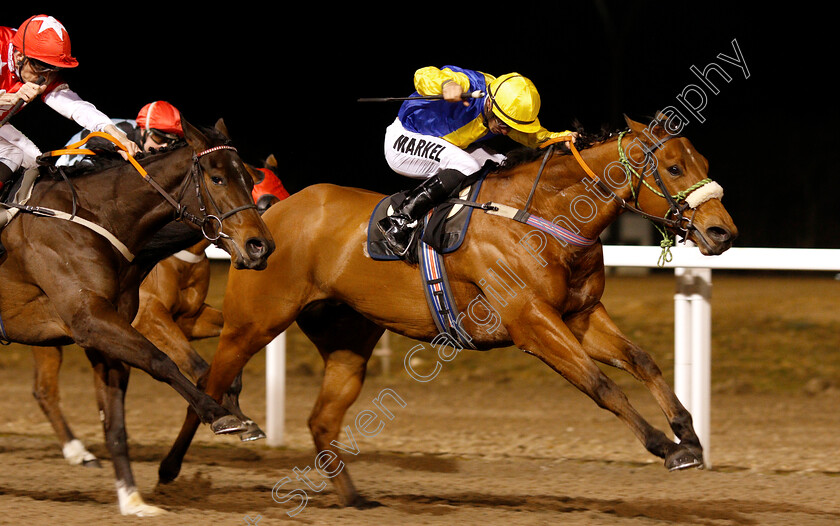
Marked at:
<point>109,158</point>
<point>524,154</point>
<point>105,159</point>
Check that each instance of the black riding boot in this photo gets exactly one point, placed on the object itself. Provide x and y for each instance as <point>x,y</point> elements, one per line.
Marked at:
<point>398,228</point>
<point>6,177</point>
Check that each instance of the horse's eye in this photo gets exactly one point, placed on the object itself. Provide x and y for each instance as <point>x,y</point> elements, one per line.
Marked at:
<point>217,180</point>
<point>674,170</point>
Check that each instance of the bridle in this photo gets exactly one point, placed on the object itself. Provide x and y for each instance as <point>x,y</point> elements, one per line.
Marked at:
<point>215,220</point>
<point>673,220</point>
<point>210,224</point>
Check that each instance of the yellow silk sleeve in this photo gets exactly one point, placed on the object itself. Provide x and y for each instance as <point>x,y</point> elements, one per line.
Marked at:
<point>532,140</point>
<point>430,80</point>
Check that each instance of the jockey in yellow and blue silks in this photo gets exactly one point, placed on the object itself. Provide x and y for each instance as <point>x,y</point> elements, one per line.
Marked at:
<point>439,140</point>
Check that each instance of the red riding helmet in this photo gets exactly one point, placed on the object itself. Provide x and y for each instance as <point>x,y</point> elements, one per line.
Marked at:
<point>162,117</point>
<point>42,37</point>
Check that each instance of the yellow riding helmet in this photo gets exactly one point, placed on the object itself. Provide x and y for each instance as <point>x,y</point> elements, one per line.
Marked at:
<point>516,101</point>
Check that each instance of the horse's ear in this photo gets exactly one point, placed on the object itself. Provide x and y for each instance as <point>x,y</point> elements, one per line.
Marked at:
<point>193,135</point>
<point>647,134</point>
<point>222,128</point>
<point>256,174</point>
<point>271,162</point>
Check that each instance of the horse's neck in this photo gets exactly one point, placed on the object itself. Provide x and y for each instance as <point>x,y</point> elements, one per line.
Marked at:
<point>135,210</point>
<point>571,198</point>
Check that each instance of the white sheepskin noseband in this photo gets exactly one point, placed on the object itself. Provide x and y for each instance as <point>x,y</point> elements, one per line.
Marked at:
<point>708,191</point>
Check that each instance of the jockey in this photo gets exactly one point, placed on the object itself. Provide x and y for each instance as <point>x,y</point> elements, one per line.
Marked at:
<point>31,60</point>
<point>436,140</point>
<point>158,124</point>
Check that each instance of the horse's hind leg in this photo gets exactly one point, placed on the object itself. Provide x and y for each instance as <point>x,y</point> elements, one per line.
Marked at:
<point>45,391</point>
<point>603,341</point>
<point>541,331</point>
<point>111,381</point>
<point>345,340</point>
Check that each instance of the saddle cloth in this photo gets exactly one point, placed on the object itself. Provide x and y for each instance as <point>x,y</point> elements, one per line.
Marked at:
<point>441,232</point>
<point>444,229</point>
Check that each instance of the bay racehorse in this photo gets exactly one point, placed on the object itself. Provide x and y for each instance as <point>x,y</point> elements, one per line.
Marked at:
<point>172,312</point>
<point>322,276</point>
<point>80,248</point>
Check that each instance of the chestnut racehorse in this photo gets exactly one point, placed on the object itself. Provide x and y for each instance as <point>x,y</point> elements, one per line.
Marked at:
<point>172,312</point>
<point>322,277</point>
<point>66,282</point>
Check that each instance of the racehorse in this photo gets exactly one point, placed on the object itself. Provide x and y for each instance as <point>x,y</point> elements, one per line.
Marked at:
<point>172,312</point>
<point>79,251</point>
<point>323,277</point>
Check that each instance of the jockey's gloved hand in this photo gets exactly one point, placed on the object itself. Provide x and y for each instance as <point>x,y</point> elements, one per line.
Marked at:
<point>119,135</point>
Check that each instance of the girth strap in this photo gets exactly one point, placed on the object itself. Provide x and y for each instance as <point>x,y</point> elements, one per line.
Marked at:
<point>521,216</point>
<point>58,214</point>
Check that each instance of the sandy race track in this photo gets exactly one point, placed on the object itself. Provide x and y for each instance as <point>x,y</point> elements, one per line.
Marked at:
<point>495,439</point>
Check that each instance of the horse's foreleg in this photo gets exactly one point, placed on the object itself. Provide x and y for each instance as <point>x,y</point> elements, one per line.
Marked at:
<point>206,323</point>
<point>541,331</point>
<point>111,381</point>
<point>45,391</point>
<point>155,322</point>
<point>603,341</point>
<point>235,349</point>
<point>98,326</point>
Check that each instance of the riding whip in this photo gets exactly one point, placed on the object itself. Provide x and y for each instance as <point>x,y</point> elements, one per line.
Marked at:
<point>473,95</point>
<point>40,80</point>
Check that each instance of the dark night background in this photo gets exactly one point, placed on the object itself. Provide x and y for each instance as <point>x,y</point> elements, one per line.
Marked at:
<point>288,84</point>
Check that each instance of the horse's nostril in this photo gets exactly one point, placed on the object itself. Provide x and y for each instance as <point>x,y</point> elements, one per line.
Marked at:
<point>256,247</point>
<point>719,234</point>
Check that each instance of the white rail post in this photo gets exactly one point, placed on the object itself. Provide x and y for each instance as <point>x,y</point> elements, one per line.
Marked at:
<point>383,351</point>
<point>692,349</point>
<point>275,389</point>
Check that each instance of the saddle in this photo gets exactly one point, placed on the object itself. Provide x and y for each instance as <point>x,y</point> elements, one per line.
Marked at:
<point>443,229</point>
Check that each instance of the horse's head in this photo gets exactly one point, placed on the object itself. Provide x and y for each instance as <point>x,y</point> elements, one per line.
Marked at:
<point>223,193</point>
<point>673,183</point>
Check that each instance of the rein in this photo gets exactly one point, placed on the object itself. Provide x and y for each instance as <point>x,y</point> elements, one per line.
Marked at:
<point>677,204</point>
<point>209,224</point>
<point>675,207</point>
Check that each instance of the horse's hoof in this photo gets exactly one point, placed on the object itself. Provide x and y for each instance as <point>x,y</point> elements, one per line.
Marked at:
<point>362,503</point>
<point>167,473</point>
<point>131,503</point>
<point>76,454</point>
<point>684,458</point>
<point>252,432</point>
<point>227,424</point>
<point>93,463</point>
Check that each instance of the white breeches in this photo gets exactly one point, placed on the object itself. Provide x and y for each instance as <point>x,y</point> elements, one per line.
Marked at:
<point>421,156</point>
